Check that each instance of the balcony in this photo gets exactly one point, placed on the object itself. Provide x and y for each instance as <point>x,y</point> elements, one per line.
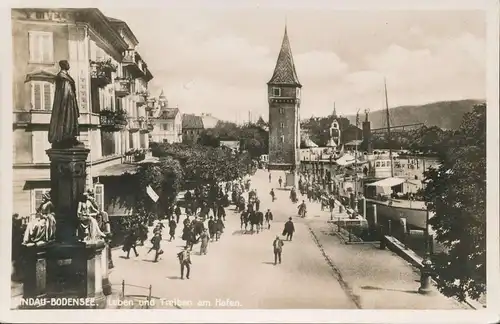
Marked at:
<point>133,125</point>
<point>150,104</point>
<point>143,125</point>
<point>133,62</point>
<point>122,87</point>
<point>113,121</point>
<point>100,72</point>
<point>141,98</point>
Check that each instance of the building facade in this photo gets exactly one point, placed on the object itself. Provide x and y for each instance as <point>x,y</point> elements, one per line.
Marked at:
<point>284,93</point>
<point>111,84</point>
<point>167,123</point>
<point>192,126</point>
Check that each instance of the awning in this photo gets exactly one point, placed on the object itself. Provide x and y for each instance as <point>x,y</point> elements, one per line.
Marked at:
<point>116,170</point>
<point>388,182</point>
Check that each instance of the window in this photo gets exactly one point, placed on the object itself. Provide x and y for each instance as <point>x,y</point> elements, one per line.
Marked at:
<point>36,198</point>
<point>130,140</point>
<point>282,139</point>
<point>169,127</point>
<point>282,111</point>
<point>164,127</point>
<point>99,195</point>
<point>40,143</point>
<point>282,125</point>
<point>42,95</point>
<point>41,47</point>
<point>276,92</point>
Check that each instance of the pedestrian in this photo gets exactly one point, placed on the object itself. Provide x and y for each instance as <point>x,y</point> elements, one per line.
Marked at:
<point>260,218</point>
<point>130,243</point>
<point>190,238</point>
<point>242,220</point>
<point>211,228</point>
<point>185,261</point>
<point>204,242</point>
<point>273,196</point>
<point>257,203</point>
<point>269,218</point>
<point>289,229</point>
<point>221,212</point>
<point>177,212</point>
<point>278,248</point>
<point>280,181</point>
<point>254,222</point>
<point>172,224</point>
<point>270,177</point>
<point>219,227</point>
<point>156,246</point>
<point>187,221</point>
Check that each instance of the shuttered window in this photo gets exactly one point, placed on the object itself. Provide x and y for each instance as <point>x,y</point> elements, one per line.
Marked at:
<point>41,47</point>
<point>36,198</point>
<point>42,95</point>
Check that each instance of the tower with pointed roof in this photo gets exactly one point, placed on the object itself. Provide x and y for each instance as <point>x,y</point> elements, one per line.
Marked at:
<point>284,112</point>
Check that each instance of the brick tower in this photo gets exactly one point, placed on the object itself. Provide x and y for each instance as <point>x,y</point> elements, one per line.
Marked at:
<point>283,91</point>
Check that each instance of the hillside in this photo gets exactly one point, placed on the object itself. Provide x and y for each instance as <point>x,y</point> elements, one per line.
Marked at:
<point>444,114</point>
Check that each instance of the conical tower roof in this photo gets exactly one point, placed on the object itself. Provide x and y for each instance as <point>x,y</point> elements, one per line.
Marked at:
<point>284,72</point>
<point>162,95</point>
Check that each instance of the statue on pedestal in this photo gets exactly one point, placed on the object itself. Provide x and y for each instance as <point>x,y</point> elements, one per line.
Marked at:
<point>41,227</point>
<point>63,130</point>
<point>89,230</point>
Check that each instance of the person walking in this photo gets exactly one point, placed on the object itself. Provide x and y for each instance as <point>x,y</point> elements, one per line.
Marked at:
<point>257,203</point>
<point>280,181</point>
<point>278,248</point>
<point>260,218</point>
<point>219,226</point>
<point>289,229</point>
<point>130,243</point>
<point>185,262</point>
<point>156,246</point>
<point>243,220</point>
<point>221,212</point>
<point>204,242</point>
<point>211,228</point>
<point>172,224</point>
<point>270,177</point>
<point>177,212</point>
<point>273,196</point>
<point>269,218</point>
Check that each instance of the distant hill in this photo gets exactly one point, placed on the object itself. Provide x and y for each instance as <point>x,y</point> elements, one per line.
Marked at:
<point>444,114</point>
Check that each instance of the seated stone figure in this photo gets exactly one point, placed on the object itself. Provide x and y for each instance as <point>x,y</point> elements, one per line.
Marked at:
<point>88,230</point>
<point>42,225</point>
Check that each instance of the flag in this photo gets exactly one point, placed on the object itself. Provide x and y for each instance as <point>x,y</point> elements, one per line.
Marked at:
<point>152,194</point>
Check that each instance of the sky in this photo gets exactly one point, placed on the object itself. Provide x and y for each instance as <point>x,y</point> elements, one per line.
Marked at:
<point>218,60</point>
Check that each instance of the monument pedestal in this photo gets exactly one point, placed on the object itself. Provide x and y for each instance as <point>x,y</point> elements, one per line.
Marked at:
<point>75,271</point>
<point>35,271</point>
<point>67,273</point>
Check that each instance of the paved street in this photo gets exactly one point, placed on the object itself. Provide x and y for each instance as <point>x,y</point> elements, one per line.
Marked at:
<point>318,270</point>
<point>240,266</point>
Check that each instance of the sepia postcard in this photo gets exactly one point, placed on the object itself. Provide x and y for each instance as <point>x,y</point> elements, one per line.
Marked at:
<point>245,161</point>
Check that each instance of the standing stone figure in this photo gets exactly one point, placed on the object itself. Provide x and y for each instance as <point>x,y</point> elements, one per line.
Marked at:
<point>63,129</point>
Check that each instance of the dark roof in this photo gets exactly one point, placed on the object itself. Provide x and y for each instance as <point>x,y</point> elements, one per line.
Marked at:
<point>115,21</point>
<point>284,72</point>
<point>192,121</point>
<point>169,113</point>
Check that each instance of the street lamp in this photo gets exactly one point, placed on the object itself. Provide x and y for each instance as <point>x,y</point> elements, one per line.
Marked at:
<point>426,270</point>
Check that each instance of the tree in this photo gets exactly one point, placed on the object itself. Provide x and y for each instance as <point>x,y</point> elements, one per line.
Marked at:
<point>456,193</point>
<point>165,178</point>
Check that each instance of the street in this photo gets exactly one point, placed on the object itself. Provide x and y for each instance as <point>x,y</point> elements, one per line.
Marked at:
<point>239,270</point>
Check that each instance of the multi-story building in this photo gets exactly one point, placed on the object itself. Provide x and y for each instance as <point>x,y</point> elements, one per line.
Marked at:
<point>167,123</point>
<point>111,81</point>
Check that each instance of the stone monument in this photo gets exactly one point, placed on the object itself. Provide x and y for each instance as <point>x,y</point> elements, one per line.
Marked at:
<point>66,263</point>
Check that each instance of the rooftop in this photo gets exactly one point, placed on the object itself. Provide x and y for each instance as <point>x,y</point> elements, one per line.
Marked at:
<point>284,72</point>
